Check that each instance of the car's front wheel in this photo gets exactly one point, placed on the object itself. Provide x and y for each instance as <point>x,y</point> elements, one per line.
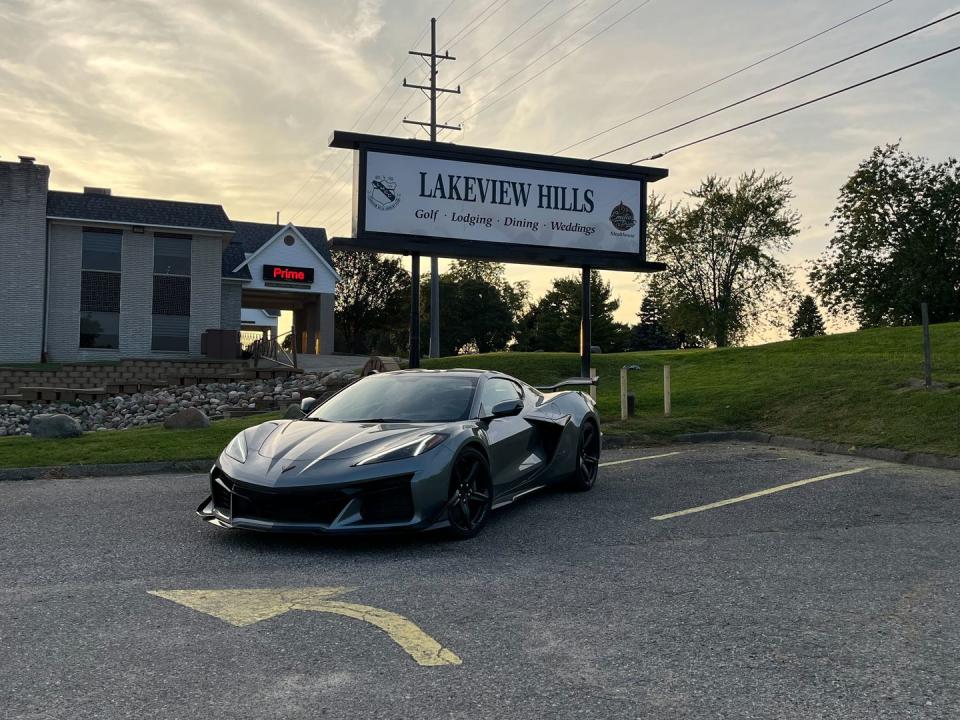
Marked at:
<point>588,458</point>
<point>470,496</point>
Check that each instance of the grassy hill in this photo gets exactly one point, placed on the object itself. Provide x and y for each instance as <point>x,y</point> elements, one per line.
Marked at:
<point>856,387</point>
<point>853,388</point>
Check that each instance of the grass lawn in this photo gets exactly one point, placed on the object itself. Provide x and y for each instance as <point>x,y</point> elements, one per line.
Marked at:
<point>850,388</point>
<point>122,446</point>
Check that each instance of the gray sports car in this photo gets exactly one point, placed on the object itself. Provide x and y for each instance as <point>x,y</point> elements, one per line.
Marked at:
<point>406,450</point>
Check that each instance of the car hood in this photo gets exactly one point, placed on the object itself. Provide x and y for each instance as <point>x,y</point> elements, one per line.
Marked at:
<point>311,440</point>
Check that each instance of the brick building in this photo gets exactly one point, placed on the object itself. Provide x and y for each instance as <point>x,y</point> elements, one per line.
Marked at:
<point>92,276</point>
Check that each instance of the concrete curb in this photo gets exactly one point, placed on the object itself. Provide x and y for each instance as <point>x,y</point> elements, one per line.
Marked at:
<point>76,471</point>
<point>930,460</point>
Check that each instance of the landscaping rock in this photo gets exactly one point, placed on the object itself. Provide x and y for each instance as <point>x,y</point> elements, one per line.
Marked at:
<point>54,426</point>
<point>187,419</point>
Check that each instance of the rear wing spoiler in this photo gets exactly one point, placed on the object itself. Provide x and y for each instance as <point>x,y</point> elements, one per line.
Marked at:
<point>569,382</point>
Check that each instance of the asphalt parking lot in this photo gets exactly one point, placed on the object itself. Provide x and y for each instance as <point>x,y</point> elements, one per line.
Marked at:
<point>836,598</point>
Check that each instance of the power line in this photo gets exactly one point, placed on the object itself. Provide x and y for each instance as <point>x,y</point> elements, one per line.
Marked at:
<point>780,85</point>
<point>725,77</point>
<point>540,56</point>
<point>552,64</point>
<point>798,106</point>
<point>326,193</point>
<point>459,33</point>
<point>363,112</point>
<point>478,25</point>
<point>505,38</point>
<point>524,42</point>
<point>330,191</point>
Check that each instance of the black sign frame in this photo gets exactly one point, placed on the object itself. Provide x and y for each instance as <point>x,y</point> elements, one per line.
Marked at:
<point>447,247</point>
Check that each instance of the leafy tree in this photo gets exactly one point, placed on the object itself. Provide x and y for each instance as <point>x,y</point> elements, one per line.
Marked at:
<point>721,252</point>
<point>553,322</point>
<point>478,308</point>
<point>372,303</point>
<point>896,243</point>
<point>808,322</point>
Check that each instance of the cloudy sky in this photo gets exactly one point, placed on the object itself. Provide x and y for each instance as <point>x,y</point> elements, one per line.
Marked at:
<point>232,101</point>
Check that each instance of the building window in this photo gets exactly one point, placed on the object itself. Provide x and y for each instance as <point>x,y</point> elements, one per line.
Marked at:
<point>171,292</point>
<point>100,288</point>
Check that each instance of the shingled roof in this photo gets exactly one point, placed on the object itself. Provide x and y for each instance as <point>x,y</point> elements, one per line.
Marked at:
<point>253,235</point>
<point>171,214</point>
<point>232,257</point>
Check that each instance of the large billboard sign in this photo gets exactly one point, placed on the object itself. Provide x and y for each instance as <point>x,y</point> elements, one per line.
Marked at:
<point>454,201</point>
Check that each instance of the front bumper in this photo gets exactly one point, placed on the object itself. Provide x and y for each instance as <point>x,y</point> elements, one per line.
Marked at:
<point>405,496</point>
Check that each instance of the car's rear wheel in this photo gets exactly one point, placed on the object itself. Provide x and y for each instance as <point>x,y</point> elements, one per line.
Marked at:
<point>470,496</point>
<point>588,458</point>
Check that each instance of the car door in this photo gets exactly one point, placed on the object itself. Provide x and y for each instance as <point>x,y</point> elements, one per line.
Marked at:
<point>508,438</point>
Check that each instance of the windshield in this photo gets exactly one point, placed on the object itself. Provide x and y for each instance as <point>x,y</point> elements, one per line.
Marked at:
<point>414,397</point>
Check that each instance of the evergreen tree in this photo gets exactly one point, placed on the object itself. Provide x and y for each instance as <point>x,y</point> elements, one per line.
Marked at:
<point>479,308</point>
<point>651,333</point>
<point>808,322</point>
<point>553,322</point>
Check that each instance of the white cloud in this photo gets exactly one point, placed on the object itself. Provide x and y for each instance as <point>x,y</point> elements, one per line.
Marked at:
<point>233,101</point>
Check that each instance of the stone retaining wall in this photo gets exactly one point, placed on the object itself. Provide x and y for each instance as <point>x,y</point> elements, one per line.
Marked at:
<point>90,375</point>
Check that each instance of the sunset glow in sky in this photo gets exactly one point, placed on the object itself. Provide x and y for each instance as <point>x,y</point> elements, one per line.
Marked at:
<point>232,101</point>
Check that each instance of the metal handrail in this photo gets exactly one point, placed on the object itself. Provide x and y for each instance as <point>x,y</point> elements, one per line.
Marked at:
<point>272,349</point>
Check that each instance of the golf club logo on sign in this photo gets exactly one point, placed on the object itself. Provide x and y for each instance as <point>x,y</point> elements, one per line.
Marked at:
<point>622,218</point>
<point>383,192</point>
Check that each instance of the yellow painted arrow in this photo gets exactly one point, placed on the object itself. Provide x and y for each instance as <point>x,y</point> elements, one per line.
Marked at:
<point>249,606</point>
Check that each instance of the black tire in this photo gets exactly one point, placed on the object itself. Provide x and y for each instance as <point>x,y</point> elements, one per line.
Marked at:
<point>588,458</point>
<point>470,496</point>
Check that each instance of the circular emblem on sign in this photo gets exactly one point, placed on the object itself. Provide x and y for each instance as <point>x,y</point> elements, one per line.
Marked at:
<point>383,192</point>
<point>622,217</point>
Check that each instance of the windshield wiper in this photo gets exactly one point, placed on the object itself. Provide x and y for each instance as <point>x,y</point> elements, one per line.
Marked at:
<point>379,420</point>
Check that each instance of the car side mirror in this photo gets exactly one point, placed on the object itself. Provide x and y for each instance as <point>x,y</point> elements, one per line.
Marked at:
<point>308,404</point>
<point>507,408</point>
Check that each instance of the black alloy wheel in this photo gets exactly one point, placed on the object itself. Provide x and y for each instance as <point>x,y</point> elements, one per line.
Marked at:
<point>471,497</point>
<point>588,458</point>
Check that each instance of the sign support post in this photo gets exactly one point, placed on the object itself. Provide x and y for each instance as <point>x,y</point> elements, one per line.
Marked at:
<point>585,323</point>
<point>414,310</point>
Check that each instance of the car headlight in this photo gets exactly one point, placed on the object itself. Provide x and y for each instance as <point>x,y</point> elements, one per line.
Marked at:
<point>407,449</point>
<point>237,448</point>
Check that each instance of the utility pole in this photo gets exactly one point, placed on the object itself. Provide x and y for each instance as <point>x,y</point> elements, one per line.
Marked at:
<point>432,59</point>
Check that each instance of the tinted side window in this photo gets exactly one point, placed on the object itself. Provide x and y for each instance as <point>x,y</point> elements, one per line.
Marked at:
<point>496,390</point>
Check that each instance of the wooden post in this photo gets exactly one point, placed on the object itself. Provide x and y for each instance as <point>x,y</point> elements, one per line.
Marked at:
<point>927,361</point>
<point>593,388</point>
<point>623,393</point>
<point>666,391</point>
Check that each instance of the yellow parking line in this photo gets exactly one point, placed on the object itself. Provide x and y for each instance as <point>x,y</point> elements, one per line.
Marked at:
<point>637,459</point>
<point>759,493</point>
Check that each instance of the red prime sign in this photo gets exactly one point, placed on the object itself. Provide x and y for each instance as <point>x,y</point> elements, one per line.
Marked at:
<point>287,274</point>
